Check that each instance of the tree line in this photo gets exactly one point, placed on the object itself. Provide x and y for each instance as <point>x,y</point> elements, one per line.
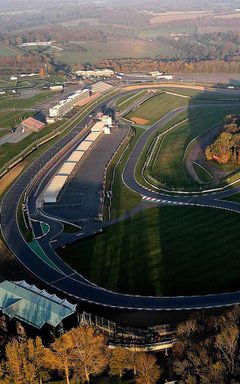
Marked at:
<point>78,355</point>
<point>208,349</point>
<point>206,46</point>
<point>28,62</point>
<point>131,65</point>
<point>226,147</point>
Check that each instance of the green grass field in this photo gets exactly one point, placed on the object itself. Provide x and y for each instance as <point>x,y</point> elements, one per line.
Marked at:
<point>123,198</point>
<point>201,96</point>
<point>9,150</point>
<point>126,101</point>
<point>11,102</point>
<point>7,51</point>
<point>153,109</point>
<point>95,51</point>
<point>3,132</point>
<point>161,252</point>
<point>10,119</point>
<point>165,30</point>
<point>168,166</point>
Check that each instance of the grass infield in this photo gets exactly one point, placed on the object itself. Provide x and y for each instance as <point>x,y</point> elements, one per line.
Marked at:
<point>153,109</point>
<point>164,251</point>
<point>168,165</point>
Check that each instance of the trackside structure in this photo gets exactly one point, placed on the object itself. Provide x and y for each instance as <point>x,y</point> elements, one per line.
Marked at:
<point>33,306</point>
<point>66,105</point>
<point>63,174</point>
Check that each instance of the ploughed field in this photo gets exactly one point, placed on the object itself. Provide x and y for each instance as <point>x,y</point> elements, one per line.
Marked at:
<point>164,251</point>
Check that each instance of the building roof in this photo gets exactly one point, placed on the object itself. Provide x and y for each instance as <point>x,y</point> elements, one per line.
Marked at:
<point>33,306</point>
<point>32,123</point>
<point>101,86</point>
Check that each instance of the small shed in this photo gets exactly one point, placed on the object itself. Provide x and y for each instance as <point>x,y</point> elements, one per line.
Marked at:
<point>32,124</point>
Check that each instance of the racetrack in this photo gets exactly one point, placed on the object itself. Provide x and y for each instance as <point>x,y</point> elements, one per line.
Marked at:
<point>55,273</point>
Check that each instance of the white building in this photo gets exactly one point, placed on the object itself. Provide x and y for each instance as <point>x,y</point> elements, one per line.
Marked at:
<point>36,43</point>
<point>96,73</point>
<point>107,120</point>
<point>56,88</point>
<point>165,77</point>
<point>107,130</point>
<point>63,107</point>
<point>79,95</point>
<point>155,73</point>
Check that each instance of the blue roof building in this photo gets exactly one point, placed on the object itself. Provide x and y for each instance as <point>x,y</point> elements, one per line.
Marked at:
<point>33,306</point>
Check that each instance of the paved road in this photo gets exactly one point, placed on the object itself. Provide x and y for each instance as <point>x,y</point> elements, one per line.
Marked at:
<point>58,275</point>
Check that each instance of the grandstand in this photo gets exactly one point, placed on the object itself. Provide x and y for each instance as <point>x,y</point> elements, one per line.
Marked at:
<point>101,87</point>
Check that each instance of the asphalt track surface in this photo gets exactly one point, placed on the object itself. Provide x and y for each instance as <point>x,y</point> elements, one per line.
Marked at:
<point>59,276</point>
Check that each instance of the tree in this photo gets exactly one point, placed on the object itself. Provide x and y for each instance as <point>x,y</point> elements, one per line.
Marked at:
<point>60,355</point>
<point>90,352</point>
<point>15,362</point>
<point>227,342</point>
<point>119,362</point>
<point>36,357</point>
<point>187,329</point>
<point>24,361</point>
<point>147,369</point>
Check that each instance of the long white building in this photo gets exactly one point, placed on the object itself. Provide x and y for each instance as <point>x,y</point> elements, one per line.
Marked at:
<point>64,106</point>
<point>96,73</point>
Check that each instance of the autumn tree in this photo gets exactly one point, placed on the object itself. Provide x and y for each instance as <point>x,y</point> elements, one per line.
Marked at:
<point>60,356</point>
<point>24,361</point>
<point>227,343</point>
<point>148,371</point>
<point>90,352</point>
<point>120,361</point>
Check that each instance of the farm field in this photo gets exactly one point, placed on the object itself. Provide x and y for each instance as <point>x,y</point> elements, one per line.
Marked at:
<point>161,252</point>
<point>7,51</point>
<point>166,30</point>
<point>94,52</point>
